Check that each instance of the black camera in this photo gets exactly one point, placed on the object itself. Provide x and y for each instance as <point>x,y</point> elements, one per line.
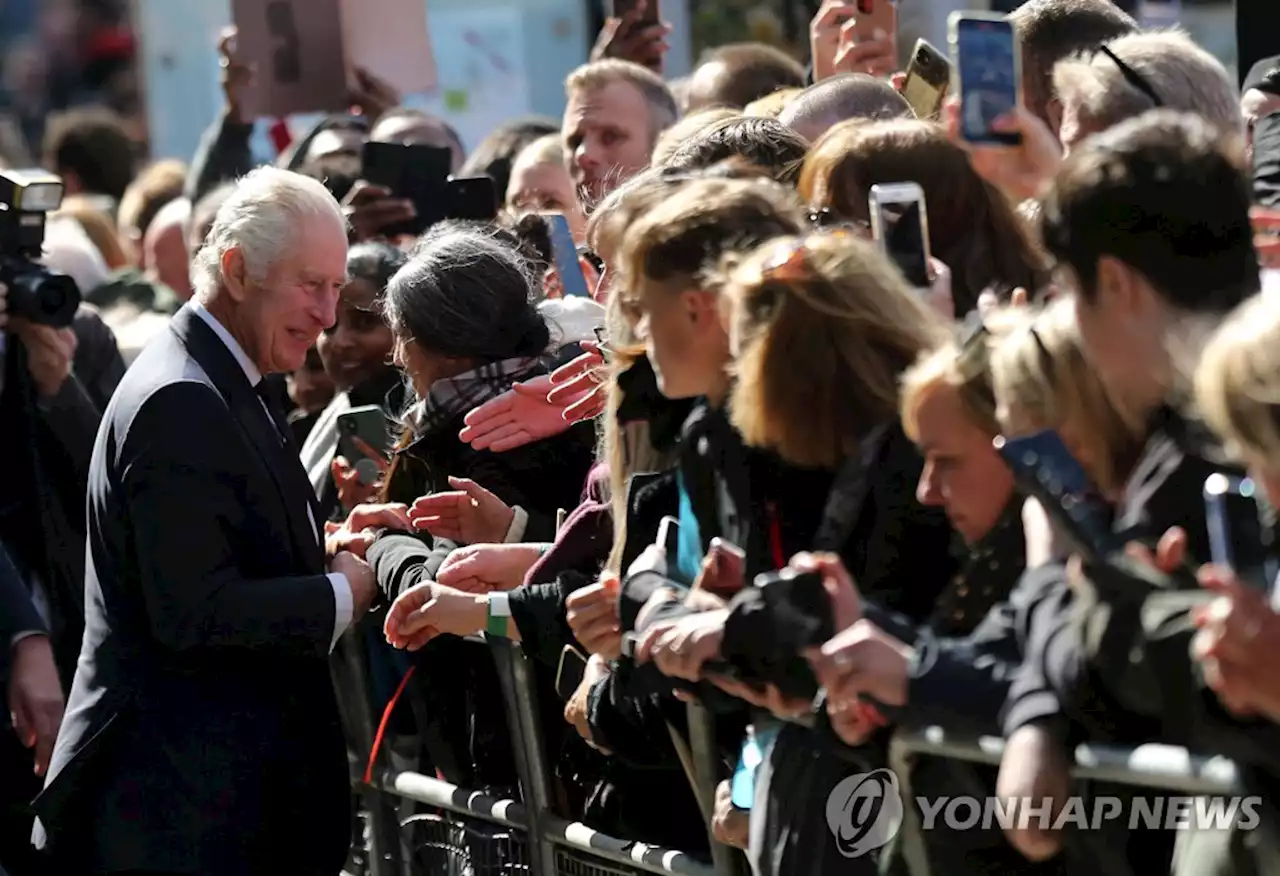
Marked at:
<point>35,292</point>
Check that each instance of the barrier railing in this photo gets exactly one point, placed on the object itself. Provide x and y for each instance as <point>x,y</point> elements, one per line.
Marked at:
<point>472,834</point>
<point>1150,766</point>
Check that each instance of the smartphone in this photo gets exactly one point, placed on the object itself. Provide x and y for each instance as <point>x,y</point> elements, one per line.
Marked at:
<point>565,251</point>
<point>365,425</point>
<point>415,172</point>
<point>900,225</point>
<point>987,61</point>
<point>1044,468</point>
<point>1238,537</point>
<point>730,567</point>
<point>472,197</point>
<point>569,675</point>
<point>622,8</point>
<point>872,17</point>
<point>928,78</point>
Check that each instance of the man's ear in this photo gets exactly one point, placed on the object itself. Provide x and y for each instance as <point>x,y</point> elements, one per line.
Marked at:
<point>701,305</point>
<point>1120,283</point>
<point>234,273</point>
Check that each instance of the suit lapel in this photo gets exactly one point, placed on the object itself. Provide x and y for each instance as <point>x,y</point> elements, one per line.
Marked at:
<point>208,350</point>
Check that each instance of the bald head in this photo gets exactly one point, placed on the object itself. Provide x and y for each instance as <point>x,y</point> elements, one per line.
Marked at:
<point>840,98</point>
<point>165,246</point>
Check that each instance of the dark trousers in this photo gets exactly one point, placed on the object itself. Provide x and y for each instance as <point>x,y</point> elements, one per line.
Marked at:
<point>18,787</point>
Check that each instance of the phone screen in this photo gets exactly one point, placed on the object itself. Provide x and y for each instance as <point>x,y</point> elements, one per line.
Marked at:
<point>565,251</point>
<point>415,172</point>
<point>1238,537</point>
<point>985,56</point>
<point>903,229</point>
<point>1044,467</point>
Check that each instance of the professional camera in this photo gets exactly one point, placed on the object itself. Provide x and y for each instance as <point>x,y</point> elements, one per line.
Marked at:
<point>35,292</point>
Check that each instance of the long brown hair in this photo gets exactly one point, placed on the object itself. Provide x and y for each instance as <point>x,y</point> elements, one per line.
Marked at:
<point>972,228</point>
<point>825,327</point>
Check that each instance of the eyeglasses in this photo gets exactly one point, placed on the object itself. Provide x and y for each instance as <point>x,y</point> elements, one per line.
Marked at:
<point>1132,76</point>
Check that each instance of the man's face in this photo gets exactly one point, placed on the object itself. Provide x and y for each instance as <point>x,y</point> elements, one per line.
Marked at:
<point>545,187</point>
<point>608,138</point>
<point>285,313</point>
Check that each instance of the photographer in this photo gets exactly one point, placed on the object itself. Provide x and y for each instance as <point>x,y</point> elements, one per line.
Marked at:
<point>61,365</point>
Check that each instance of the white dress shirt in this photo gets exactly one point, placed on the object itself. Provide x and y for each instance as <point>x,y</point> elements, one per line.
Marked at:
<point>343,599</point>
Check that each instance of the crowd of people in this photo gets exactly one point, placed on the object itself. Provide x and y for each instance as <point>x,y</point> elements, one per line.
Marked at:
<point>757,469</point>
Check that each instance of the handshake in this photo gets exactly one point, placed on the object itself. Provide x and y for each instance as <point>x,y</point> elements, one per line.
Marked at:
<point>346,543</point>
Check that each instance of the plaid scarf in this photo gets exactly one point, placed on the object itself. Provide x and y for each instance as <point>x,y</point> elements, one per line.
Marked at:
<point>454,396</point>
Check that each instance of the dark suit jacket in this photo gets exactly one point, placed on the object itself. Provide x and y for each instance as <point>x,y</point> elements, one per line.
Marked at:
<point>17,613</point>
<point>201,732</point>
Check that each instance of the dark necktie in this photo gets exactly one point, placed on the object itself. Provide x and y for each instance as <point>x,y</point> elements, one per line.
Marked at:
<point>278,418</point>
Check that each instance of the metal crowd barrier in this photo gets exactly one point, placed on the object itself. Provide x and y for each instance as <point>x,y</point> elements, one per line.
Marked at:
<point>1164,767</point>
<point>470,834</point>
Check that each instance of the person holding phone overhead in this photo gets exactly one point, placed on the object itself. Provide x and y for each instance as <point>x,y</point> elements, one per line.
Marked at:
<point>356,351</point>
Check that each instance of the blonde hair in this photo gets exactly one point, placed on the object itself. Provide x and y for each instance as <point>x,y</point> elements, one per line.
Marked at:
<point>1043,381</point>
<point>771,105</point>
<point>155,186</point>
<point>964,370</point>
<point>547,149</point>
<point>1237,383</point>
<point>595,75</point>
<point>823,343</point>
<point>688,128</point>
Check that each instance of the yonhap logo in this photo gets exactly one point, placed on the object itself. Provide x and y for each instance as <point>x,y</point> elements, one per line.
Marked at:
<point>864,812</point>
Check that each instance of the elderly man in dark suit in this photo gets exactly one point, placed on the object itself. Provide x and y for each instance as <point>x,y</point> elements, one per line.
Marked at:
<point>201,732</point>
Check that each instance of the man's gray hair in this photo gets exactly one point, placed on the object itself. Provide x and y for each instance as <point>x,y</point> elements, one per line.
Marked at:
<point>1184,76</point>
<point>260,218</point>
<point>663,110</point>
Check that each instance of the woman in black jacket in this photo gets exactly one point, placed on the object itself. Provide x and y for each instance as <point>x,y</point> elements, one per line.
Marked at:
<point>465,330</point>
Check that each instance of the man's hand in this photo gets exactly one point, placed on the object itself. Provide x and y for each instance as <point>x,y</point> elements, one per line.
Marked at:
<point>51,353</point>
<point>592,614</point>
<point>355,534</point>
<point>428,610</point>
<point>35,697</point>
<point>729,824</point>
<point>479,568</point>
<point>877,56</point>
<point>370,208</point>
<point>360,577</point>
<point>373,95</point>
<point>471,515</point>
<point>630,39</point>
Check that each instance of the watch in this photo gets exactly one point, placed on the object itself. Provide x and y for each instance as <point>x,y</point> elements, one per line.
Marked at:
<point>499,614</point>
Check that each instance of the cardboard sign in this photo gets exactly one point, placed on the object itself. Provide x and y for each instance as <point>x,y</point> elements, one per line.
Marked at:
<point>305,50</point>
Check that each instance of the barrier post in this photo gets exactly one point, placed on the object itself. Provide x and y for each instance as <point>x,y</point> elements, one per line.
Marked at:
<point>531,760</point>
<point>702,745</point>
